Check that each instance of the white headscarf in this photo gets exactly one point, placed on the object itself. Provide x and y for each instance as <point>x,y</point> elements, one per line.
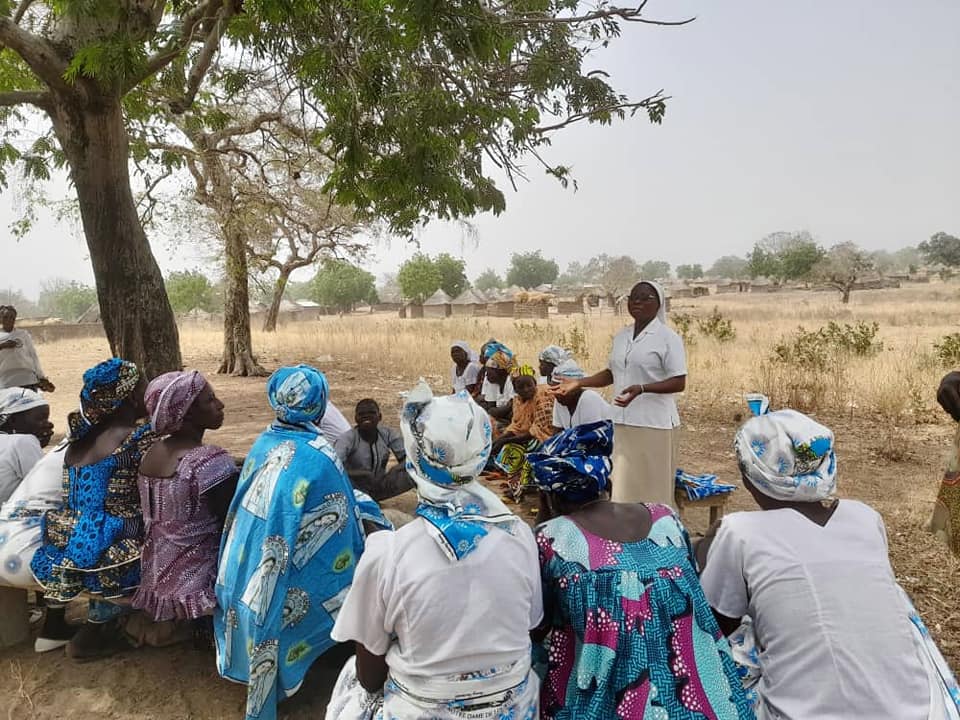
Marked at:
<point>18,400</point>
<point>472,356</point>
<point>662,311</point>
<point>568,370</point>
<point>554,354</point>
<point>788,456</point>
<point>447,441</point>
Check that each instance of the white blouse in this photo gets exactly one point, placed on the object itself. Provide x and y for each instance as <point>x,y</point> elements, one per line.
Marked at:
<point>656,354</point>
<point>469,377</point>
<point>434,617</point>
<point>834,635</point>
<point>18,455</point>
<point>20,365</point>
<point>591,408</point>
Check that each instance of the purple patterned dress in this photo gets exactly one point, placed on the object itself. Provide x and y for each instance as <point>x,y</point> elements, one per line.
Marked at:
<point>633,637</point>
<point>179,561</point>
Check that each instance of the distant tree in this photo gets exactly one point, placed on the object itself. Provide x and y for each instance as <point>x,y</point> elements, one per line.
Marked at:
<point>419,278</point>
<point>729,266</point>
<point>575,276</point>
<point>841,267</point>
<point>784,256</point>
<point>453,279</point>
<point>620,274</point>
<point>66,299</point>
<point>655,269</point>
<point>689,272</point>
<point>189,289</point>
<point>25,307</point>
<point>342,285</point>
<point>528,270</point>
<point>389,288</point>
<point>941,249</point>
<point>488,280</point>
<point>299,290</point>
<point>908,259</point>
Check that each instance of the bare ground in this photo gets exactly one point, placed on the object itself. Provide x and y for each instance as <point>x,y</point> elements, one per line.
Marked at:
<point>895,470</point>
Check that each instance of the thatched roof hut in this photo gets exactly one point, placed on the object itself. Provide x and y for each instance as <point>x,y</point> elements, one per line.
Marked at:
<point>437,305</point>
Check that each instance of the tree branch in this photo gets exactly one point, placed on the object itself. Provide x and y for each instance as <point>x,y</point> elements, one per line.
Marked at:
<point>626,14</point>
<point>215,30</point>
<point>38,98</point>
<point>21,11</point>
<point>39,55</point>
<point>657,97</point>
<point>247,128</point>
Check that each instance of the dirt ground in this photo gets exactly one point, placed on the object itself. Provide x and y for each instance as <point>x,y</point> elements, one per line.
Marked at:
<point>895,470</point>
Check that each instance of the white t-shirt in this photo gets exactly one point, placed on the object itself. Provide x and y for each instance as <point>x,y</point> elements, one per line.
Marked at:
<point>19,366</point>
<point>469,377</point>
<point>834,636</point>
<point>492,393</point>
<point>333,424</point>
<point>591,408</point>
<point>447,617</point>
<point>18,455</point>
<point>656,354</point>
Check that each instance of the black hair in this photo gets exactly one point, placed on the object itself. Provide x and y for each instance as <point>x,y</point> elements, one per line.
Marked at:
<point>368,403</point>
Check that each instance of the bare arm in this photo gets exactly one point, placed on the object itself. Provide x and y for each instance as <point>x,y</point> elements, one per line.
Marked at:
<point>371,669</point>
<point>601,379</point>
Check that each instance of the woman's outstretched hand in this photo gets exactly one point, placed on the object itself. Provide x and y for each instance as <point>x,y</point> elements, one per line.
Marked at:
<point>565,388</point>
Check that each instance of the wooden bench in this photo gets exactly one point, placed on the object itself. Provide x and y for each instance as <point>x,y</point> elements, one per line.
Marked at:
<point>716,504</point>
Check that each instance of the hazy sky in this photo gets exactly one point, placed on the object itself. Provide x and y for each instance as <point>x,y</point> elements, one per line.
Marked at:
<point>836,116</point>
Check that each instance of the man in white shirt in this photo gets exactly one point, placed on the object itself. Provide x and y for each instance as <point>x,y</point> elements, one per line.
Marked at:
<point>19,364</point>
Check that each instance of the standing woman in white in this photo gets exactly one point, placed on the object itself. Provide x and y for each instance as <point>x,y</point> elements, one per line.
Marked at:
<point>647,368</point>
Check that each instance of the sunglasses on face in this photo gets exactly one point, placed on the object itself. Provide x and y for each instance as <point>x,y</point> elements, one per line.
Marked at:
<point>643,298</point>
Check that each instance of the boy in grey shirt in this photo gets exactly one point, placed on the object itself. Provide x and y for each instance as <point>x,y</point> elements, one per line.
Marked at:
<point>365,451</point>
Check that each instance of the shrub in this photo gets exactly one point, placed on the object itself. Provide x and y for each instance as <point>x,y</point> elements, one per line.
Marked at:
<point>575,340</point>
<point>948,350</point>
<point>715,325</point>
<point>816,349</point>
<point>683,322</point>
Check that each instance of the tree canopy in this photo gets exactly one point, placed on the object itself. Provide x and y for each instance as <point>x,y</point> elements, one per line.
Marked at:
<point>690,272</point>
<point>842,266</point>
<point>488,280</point>
<point>189,289</point>
<point>941,249</point>
<point>453,278</point>
<point>419,278</point>
<point>65,299</point>
<point>730,266</point>
<point>784,256</point>
<point>531,269</point>
<point>343,285</point>
<point>655,269</point>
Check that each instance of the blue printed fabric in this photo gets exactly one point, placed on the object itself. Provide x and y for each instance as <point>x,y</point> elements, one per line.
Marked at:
<point>698,487</point>
<point>292,540</point>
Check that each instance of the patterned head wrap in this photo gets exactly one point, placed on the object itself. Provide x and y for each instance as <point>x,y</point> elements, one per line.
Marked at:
<point>575,465</point>
<point>18,400</point>
<point>170,396</point>
<point>554,354</point>
<point>298,395</point>
<point>463,345</point>
<point>788,456</point>
<point>567,370</point>
<point>523,370</point>
<point>448,441</point>
<point>500,357</point>
<point>105,388</point>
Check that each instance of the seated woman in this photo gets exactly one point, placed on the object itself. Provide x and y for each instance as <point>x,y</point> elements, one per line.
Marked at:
<point>550,357</point>
<point>19,364</point>
<point>185,490</point>
<point>532,423</point>
<point>441,609</point>
<point>466,368</point>
<point>497,391</point>
<point>292,540</point>
<point>25,429</point>
<point>579,406</point>
<point>836,636</point>
<point>92,542</point>
<point>631,634</point>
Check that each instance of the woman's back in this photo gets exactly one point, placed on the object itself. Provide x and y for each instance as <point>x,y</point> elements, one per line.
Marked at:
<point>448,617</point>
<point>829,618</point>
<point>632,631</point>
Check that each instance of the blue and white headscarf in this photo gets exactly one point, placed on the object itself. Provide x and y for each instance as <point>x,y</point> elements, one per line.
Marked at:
<point>554,354</point>
<point>788,456</point>
<point>18,400</point>
<point>575,465</point>
<point>567,370</point>
<point>448,441</point>
<point>298,395</point>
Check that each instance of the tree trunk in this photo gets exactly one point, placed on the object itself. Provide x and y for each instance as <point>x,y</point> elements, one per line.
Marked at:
<point>238,358</point>
<point>845,294</point>
<point>134,308</point>
<point>270,324</point>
